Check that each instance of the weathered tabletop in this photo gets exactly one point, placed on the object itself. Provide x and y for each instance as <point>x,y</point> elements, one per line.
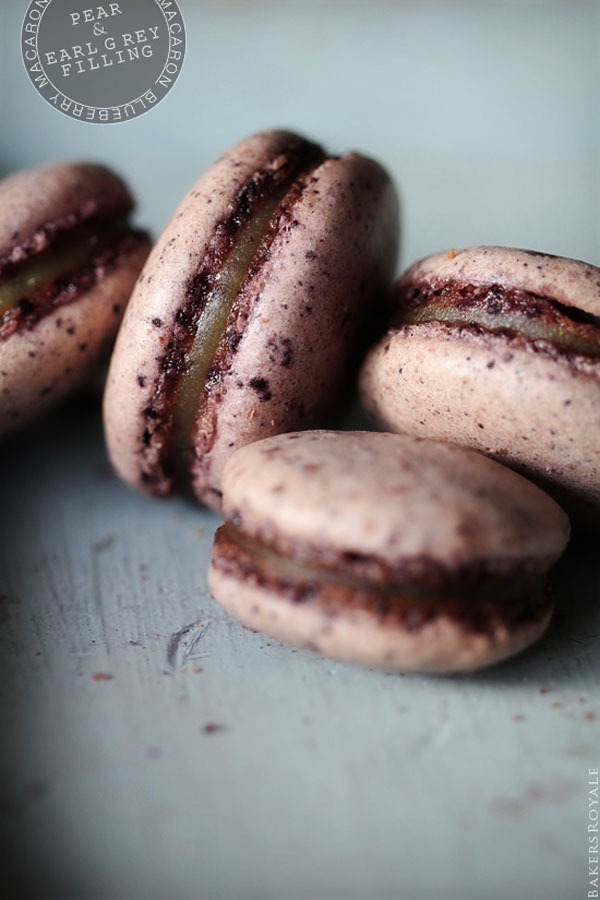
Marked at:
<point>154,748</point>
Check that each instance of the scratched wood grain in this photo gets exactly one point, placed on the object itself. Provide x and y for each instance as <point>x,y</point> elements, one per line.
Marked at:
<point>154,748</point>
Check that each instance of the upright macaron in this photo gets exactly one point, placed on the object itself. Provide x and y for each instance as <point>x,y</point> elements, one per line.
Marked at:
<point>498,349</point>
<point>250,312</point>
<point>385,549</point>
<point>68,262</point>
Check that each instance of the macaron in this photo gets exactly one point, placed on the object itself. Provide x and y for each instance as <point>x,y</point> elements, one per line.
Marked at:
<point>68,261</point>
<point>498,349</point>
<point>251,311</point>
<point>385,549</point>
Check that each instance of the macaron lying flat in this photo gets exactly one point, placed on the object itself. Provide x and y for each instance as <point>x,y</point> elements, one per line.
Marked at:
<point>498,349</point>
<point>385,549</point>
<point>68,262</point>
<point>248,315</point>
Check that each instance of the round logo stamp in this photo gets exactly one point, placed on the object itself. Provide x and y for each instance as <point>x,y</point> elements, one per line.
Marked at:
<point>103,62</point>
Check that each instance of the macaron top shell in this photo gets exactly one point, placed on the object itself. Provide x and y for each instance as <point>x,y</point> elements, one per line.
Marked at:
<point>408,503</point>
<point>186,240</point>
<point>568,281</point>
<point>38,204</point>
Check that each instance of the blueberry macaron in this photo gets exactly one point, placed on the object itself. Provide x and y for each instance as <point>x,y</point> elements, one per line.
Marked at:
<point>251,311</point>
<point>499,349</point>
<point>68,261</point>
<point>385,549</point>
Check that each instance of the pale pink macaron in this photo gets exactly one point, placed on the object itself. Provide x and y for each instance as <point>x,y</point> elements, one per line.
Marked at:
<point>499,349</point>
<point>68,261</point>
<point>386,550</point>
<point>250,312</point>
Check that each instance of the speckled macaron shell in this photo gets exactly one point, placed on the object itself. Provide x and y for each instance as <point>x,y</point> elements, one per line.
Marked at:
<point>568,281</point>
<point>158,295</point>
<point>392,497</point>
<point>527,404</point>
<point>41,365</point>
<point>288,345</point>
<point>408,504</point>
<point>305,313</point>
<point>38,203</point>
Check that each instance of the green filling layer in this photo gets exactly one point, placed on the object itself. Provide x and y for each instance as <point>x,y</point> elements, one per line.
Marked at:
<point>572,337</point>
<point>290,570</point>
<point>212,325</point>
<point>473,592</point>
<point>65,257</point>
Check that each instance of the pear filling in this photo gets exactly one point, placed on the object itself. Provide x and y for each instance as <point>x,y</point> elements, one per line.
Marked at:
<point>513,594</point>
<point>65,257</point>
<point>556,327</point>
<point>296,572</point>
<point>212,325</point>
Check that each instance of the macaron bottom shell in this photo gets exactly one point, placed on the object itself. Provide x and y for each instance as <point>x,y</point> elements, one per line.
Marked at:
<point>525,404</point>
<point>372,627</point>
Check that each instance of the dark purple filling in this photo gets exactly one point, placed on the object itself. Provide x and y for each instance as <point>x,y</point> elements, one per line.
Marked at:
<point>479,602</point>
<point>116,241</point>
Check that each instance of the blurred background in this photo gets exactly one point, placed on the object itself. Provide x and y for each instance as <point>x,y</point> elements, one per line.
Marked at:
<point>486,112</point>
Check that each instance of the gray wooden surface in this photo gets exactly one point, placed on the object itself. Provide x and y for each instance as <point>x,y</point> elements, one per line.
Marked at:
<point>151,748</point>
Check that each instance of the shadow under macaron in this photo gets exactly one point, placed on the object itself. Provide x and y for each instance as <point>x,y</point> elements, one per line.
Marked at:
<point>568,653</point>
